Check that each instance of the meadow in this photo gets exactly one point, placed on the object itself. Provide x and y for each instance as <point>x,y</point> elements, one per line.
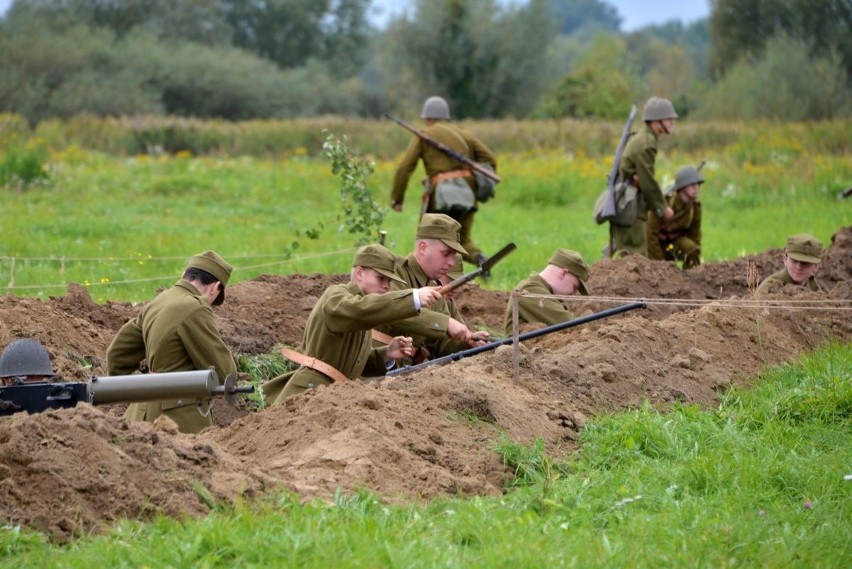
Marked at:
<point>123,224</point>
<point>763,480</point>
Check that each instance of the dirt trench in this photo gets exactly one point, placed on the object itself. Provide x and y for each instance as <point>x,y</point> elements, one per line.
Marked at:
<point>408,438</point>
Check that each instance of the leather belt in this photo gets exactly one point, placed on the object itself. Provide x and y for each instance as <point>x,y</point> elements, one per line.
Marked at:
<point>437,178</point>
<point>315,364</point>
<point>381,337</point>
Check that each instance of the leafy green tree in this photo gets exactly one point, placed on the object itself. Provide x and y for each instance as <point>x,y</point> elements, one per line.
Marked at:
<point>785,82</point>
<point>602,84</point>
<point>572,15</point>
<point>742,28</point>
<point>483,58</point>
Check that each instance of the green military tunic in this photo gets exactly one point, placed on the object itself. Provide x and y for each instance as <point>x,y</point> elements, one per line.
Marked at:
<point>777,280</point>
<point>638,161</point>
<point>175,332</point>
<point>436,162</point>
<point>547,311</point>
<point>431,324</point>
<point>678,239</point>
<point>338,333</point>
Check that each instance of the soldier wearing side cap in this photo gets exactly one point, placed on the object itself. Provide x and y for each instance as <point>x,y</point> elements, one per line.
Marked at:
<point>336,344</point>
<point>177,331</point>
<point>566,274</point>
<point>801,262</point>
<point>679,238</point>
<point>434,255</point>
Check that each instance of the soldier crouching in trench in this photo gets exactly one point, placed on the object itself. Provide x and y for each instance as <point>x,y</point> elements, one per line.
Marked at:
<point>337,344</point>
<point>177,332</point>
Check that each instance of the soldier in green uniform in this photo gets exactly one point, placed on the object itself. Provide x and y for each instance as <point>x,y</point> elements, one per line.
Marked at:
<point>637,167</point>
<point>337,333</point>
<point>440,167</point>
<point>177,332</point>
<point>566,274</point>
<point>801,262</point>
<point>435,248</point>
<point>679,238</point>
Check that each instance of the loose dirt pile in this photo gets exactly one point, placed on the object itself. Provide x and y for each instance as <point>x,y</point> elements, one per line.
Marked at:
<point>406,438</point>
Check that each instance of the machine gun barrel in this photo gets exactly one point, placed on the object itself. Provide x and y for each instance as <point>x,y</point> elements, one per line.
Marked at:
<point>40,396</point>
<point>526,336</point>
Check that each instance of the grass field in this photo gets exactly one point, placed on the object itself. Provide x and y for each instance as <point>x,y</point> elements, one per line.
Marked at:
<point>124,225</point>
<point>763,481</point>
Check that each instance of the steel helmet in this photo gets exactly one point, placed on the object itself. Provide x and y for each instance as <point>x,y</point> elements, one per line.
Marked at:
<point>25,357</point>
<point>687,176</point>
<point>658,109</point>
<point>435,108</point>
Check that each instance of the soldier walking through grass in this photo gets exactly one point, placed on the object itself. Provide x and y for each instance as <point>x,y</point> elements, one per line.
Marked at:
<point>459,201</point>
<point>638,168</point>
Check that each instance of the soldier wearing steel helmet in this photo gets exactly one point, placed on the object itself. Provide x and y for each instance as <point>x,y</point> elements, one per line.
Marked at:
<point>638,167</point>
<point>439,166</point>
<point>679,238</point>
<point>177,331</point>
<point>802,256</point>
<point>25,361</point>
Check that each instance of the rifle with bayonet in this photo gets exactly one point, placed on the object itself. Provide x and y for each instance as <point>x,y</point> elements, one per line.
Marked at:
<point>36,397</point>
<point>521,337</point>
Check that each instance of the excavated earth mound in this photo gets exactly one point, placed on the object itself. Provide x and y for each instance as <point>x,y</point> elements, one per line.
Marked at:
<point>410,437</point>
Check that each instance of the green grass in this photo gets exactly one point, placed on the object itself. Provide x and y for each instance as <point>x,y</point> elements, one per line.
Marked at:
<point>124,226</point>
<point>759,482</point>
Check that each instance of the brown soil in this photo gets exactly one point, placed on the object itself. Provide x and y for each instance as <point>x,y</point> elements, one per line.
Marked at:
<point>406,438</point>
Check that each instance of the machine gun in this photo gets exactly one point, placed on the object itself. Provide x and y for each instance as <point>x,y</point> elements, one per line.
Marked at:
<point>526,336</point>
<point>35,397</point>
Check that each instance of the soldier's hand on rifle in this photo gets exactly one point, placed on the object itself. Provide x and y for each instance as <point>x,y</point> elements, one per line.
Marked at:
<point>668,213</point>
<point>458,331</point>
<point>396,206</point>
<point>400,347</point>
<point>428,295</point>
<point>479,338</point>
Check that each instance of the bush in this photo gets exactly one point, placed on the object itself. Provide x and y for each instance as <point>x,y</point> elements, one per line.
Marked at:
<point>785,82</point>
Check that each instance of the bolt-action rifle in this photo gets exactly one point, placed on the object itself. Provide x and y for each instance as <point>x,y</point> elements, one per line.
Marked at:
<point>35,397</point>
<point>526,336</point>
<point>483,269</point>
<point>446,149</point>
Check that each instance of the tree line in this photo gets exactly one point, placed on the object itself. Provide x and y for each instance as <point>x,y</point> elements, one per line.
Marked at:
<point>236,60</point>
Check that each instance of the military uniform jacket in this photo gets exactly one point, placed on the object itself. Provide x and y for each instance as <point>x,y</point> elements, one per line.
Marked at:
<point>176,332</point>
<point>777,280</point>
<point>685,223</point>
<point>548,311</point>
<point>435,161</point>
<point>432,322</point>
<point>638,160</point>
<point>338,331</point>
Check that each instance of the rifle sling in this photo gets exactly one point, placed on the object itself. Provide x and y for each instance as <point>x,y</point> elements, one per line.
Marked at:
<point>315,364</point>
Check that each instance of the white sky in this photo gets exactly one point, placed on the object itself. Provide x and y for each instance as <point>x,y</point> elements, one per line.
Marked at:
<point>635,13</point>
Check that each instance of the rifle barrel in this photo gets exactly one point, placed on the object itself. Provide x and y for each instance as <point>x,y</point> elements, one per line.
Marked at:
<point>525,336</point>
